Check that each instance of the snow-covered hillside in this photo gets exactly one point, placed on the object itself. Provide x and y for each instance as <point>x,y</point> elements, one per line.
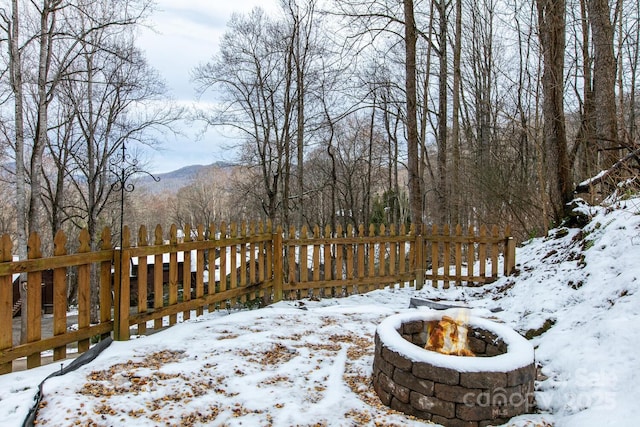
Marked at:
<point>576,296</point>
<point>309,363</point>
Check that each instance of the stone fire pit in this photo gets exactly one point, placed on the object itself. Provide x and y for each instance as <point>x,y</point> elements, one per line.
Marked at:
<point>451,390</point>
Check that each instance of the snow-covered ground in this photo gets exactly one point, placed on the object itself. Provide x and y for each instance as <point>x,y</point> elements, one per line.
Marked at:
<point>309,363</point>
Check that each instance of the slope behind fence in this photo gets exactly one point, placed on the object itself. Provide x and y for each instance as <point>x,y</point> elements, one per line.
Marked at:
<point>151,282</point>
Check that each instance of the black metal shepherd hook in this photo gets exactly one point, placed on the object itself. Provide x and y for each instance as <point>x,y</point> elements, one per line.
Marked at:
<point>123,169</point>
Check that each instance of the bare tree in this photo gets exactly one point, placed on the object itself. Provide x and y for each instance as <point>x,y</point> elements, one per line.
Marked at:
<point>551,31</point>
<point>415,187</point>
<point>256,74</point>
<point>396,19</point>
<point>584,154</point>
<point>632,50</point>
<point>456,187</point>
<point>48,39</point>
<point>355,169</point>
<point>302,22</point>
<point>205,201</point>
<point>117,104</point>
<point>604,81</point>
<point>12,26</point>
<point>442,186</point>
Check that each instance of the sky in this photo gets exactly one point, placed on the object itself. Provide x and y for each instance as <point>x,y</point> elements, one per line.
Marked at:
<point>310,362</point>
<point>185,34</point>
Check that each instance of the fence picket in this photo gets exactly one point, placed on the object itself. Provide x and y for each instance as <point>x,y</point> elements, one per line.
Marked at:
<point>402,252</point>
<point>339,270</point>
<point>173,272</point>
<point>435,255</point>
<point>262,262</point>
<point>360,268</point>
<point>270,274</point>
<point>123,287</point>
<point>59,295</point>
<point>509,253</point>
<point>233,279</point>
<point>328,261</point>
<point>252,261</point>
<point>303,264</point>
<point>278,264</point>
<point>158,279</point>
<point>222,271</point>
<point>143,278</point>
<point>6,302</point>
<point>34,301</point>
<point>495,234</point>
<point>482,252</point>
<point>350,266</point>
<point>106,282</point>
<point>186,272</point>
<point>471,254</point>
<point>372,247</point>
<point>200,271</point>
<point>209,265</point>
<point>393,247</point>
<point>242,258</point>
<point>446,256</point>
<point>84,290</point>
<point>458,255</point>
<point>291,278</point>
<point>316,260</point>
<point>383,254</point>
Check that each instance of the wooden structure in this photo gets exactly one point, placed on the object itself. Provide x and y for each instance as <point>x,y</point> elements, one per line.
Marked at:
<point>254,264</point>
<point>149,264</point>
<point>47,293</point>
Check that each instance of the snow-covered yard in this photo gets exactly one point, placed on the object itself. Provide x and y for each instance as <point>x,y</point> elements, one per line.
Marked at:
<point>309,363</point>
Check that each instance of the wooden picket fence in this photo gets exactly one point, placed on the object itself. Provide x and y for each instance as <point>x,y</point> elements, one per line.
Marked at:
<point>229,266</point>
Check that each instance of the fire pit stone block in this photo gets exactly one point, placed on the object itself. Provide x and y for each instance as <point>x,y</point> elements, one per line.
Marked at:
<point>449,396</point>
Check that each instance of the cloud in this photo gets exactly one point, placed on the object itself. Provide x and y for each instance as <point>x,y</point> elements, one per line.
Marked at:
<point>182,36</point>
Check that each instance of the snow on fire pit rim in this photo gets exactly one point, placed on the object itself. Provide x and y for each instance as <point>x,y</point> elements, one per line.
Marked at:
<point>519,351</point>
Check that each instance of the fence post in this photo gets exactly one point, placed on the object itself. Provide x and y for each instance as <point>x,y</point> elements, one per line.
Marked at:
<point>121,285</point>
<point>34,301</point>
<point>84,290</point>
<point>59,295</point>
<point>106,301</point>
<point>420,268</point>
<point>510,254</point>
<point>278,267</point>
<point>6,302</point>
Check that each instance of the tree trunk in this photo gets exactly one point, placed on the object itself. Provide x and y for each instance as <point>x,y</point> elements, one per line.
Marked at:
<point>47,24</point>
<point>604,81</point>
<point>15,72</point>
<point>633,66</point>
<point>442,185</point>
<point>300,61</point>
<point>415,193</point>
<point>92,201</point>
<point>455,129</point>
<point>585,146</point>
<point>551,27</point>
<point>424,161</point>
<point>366,203</point>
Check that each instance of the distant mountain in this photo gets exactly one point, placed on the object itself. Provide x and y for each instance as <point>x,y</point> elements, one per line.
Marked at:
<point>173,181</point>
<point>169,181</point>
